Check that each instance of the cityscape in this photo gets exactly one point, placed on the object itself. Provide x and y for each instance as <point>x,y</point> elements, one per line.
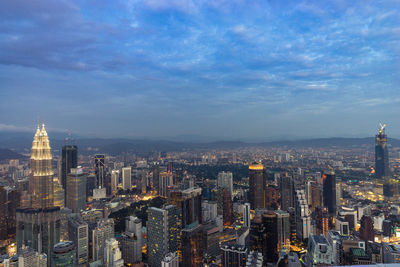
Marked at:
<point>190,133</point>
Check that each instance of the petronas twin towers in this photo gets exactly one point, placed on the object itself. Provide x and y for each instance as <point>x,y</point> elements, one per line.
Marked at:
<point>41,176</point>
<point>38,224</point>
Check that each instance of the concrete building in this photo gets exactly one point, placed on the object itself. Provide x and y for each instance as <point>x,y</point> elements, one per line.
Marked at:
<point>127,178</point>
<point>78,231</point>
<point>64,255</point>
<point>170,260</point>
<point>112,254</point>
<point>319,251</point>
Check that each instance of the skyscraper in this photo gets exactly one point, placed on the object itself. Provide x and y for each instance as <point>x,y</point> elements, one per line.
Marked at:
<point>100,170</point>
<point>114,181</point>
<point>234,255</point>
<point>69,159</point>
<point>329,189</point>
<point>127,178</point>
<point>192,246</point>
<point>103,231</point>
<point>38,225</point>
<point>287,192</point>
<point>157,235</point>
<point>257,185</point>
<point>367,232</point>
<point>381,154</point>
<point>227,207</point>
<point>78,232</point>
<point>225,180</point>
<point>76,190</point>
<point>112,254</point>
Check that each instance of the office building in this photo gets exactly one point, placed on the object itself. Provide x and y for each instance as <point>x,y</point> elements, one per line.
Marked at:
<point>170,260</point>
<point>78,231</point>
<point>302,215</point>
<point>257,185</point>
<point>112,254</point>
<point>64,255</point>
<point>382,169</point>
<point>234,255</point>
<point>208,211</point>
<point>131,240</point>
<point>227,207</point>
<point>127,178</point>
<point>103,231</point>
<point>100,170</point>
<point>287,192</point>
<point>69,160</point>
<point>157,235</point>
<point>189,202</point>
<point>59,193</point>
<point>225,180</point>
<point>76,190</point>
<point>319,251</point>
<point>166,179</point>
<point>321,217</point>
<point>28,257</point>
<point>367,228</point>
<point>192,246</point>
<point>38,225</point>
<point>114,181</point>
<point>390,253</point>
<point>342,226</point>
<point>329,192</point>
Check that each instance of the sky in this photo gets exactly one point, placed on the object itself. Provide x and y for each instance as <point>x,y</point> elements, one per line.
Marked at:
<point>226,69</point>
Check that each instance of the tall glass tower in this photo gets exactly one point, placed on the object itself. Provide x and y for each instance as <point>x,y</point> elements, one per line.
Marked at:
<point>381,154</point>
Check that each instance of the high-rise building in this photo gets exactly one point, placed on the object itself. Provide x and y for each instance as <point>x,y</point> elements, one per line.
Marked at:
<point>3,212</point>
<point>319,251</point>
<point>381,154</point>
<point>303,216</point>
<point>38,225</point>
<point>131,240</point>
<point>9,201</point>
<point>170,260</point>
<point>225,180</point>
<point>76,190</point>
<point>234,255</point>
<point>287,192</point>
<point>367,232</point>
<point>103,231</point>
<point>63,255</point>
<point>321,220</point>
<point>329,189</point>
<point>155,177</point>
<point>166,179</point>
<point>112,254</point>
<point>192,246</point>
<point>254,259</point>
<point>277,234</point>
<point>227,207</point>
<point>189,201</point>
<point>100,170</point>
<point>69,160</point>
<point>257,185</point>
<point>114,181</point>
<point>157,235</point>
<point>78,232</point>
<point>127,178</point>
<point>28,257</point>
<point>246,215</point>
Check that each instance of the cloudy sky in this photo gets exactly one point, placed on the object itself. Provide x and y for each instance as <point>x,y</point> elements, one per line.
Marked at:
<point>224,68</point>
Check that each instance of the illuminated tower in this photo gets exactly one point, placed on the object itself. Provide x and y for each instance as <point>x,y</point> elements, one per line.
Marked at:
<point>41,174</point>
<point>38,226</point>
<point>257,186</point>
<point>381,154</point>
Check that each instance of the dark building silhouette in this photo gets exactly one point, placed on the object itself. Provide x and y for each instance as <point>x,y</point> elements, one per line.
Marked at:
<point>227,207</point>
<point>257,185</point>
<point>287,192</point>
<point>381,155</point>
<point>329,192</point>
<point>367,228</point>
<point>69,159</point>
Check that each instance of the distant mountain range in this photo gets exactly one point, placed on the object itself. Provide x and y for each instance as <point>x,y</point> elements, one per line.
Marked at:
<point>22,142</point>
<point>7,154</point>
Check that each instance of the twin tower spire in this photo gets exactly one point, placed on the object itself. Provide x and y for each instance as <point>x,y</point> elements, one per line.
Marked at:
<point>41,175</point>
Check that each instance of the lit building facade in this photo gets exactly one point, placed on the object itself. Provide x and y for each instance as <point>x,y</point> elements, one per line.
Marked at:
<point>257,185</point>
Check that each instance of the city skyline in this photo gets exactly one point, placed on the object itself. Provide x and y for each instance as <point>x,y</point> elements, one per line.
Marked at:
<point>232,70</point>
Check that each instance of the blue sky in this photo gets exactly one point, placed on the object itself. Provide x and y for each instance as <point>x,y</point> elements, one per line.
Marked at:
<point>225,68</point>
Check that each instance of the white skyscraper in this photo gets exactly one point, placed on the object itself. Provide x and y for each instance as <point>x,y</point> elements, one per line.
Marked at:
<point>127,178</point>
<point>112,254</point>
<point>225,180</point>
<point>170,260</point>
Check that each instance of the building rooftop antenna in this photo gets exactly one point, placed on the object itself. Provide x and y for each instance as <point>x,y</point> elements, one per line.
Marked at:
<point>381,128</point>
